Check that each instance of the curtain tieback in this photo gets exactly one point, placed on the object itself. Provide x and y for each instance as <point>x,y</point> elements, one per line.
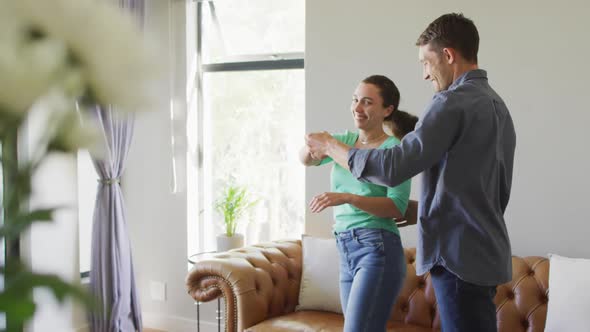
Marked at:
<point>109,181</point>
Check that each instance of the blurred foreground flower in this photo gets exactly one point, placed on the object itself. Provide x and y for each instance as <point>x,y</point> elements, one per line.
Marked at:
<point>41,42</point>
<point>59,58</point>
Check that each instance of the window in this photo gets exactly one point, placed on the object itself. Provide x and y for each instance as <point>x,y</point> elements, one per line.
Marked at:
<point>249,120</point>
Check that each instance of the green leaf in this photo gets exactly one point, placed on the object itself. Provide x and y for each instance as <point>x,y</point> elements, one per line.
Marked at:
<point>39,214</point>
<point>232,204</point>
<point>18,308</point>
<point>20,281</point>
<point>12,228</point>
<point>60,289</point>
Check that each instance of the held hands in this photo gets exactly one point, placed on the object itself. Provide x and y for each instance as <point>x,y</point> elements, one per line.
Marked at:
<point>317,143</point>
<point>322,201</point>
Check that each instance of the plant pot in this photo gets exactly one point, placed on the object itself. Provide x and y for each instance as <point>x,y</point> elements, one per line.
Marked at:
<point>225,243</point>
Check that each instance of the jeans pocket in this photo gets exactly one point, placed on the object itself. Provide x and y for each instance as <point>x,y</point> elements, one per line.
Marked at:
<point>370,238</point>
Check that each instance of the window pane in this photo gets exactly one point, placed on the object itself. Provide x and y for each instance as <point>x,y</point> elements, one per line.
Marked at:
<point>248,27</point>
<point>254,125</point>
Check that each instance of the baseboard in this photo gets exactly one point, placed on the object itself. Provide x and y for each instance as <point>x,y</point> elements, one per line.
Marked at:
<point>171,323</point>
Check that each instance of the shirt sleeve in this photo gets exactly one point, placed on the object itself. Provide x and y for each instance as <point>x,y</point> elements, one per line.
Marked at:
<point>419,150</point>
<point>400,195</point>
<point>341,137</point>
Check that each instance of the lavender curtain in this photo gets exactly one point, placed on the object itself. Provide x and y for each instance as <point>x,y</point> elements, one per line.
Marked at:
<point>112,279</point>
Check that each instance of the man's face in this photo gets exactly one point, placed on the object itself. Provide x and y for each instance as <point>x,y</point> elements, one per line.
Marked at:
<point>435,67</point>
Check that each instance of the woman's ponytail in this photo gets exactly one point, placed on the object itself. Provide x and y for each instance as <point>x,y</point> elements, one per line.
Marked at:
<point>402,123</point>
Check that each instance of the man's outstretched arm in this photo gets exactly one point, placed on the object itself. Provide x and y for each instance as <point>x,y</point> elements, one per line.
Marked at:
<point>419,150</point>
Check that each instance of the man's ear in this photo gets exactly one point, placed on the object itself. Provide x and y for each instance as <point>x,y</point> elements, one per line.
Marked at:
<point>449,55</point>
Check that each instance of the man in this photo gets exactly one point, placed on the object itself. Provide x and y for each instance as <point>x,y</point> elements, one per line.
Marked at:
<point>464,145</point>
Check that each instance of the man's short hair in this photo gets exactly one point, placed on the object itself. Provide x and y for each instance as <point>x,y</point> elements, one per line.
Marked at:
<point>454,31</point>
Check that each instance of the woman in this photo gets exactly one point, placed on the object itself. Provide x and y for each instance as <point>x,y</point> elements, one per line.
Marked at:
<point>372,264</point>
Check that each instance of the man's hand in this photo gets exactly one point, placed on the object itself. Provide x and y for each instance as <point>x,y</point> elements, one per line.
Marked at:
<point>322,145</point>
<point>317,143</point>
<point>322,201</point>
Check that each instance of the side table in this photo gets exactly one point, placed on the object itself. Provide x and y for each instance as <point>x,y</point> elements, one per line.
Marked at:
<point>193,259</point>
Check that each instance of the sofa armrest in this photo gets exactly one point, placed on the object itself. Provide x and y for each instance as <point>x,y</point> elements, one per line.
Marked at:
<point>257,282</point>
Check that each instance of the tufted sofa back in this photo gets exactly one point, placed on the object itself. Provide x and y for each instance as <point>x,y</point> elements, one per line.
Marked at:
<point>266,280</point>
<point>521,304</point>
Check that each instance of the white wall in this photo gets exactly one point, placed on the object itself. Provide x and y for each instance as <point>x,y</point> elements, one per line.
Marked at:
<point>536,55</point>
<point>157,213</point>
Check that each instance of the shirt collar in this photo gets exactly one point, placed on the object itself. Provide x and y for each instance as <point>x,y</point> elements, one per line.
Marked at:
<point>472,74</point>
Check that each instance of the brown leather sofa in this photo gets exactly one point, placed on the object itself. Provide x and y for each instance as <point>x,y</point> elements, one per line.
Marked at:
<point>261,287</point>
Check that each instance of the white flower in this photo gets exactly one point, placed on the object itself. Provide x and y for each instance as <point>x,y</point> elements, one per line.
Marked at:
<point>27,66</point>
<point>55,124</point>
<point>75,131</point>
<point>107,46</point>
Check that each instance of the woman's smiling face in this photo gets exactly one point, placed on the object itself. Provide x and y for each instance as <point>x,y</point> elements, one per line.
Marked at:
<point>367,107</point>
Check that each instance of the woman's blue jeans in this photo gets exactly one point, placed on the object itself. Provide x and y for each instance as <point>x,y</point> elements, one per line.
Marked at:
<point>372,272</point>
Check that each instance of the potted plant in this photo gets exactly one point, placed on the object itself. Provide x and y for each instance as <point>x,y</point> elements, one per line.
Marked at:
<point>232,204</point>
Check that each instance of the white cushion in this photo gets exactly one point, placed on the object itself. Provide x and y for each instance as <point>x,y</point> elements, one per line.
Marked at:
<point>569,294</point>
<point>320,281</point>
